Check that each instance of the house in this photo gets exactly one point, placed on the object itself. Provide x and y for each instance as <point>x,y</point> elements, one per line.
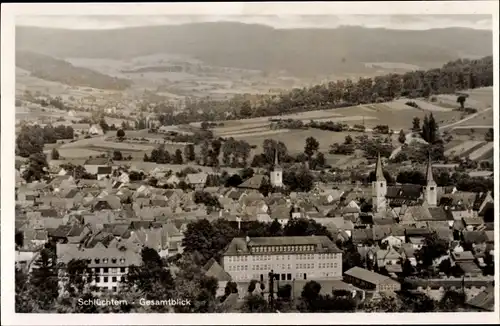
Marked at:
<point>95,130</point>
<point>465,261</point>
<point>92,165</point>
<point>369,280</point>
<point>408,253</point>
<point>213,269</point>
<point>196,180</point>
<point>393,241</point>
<point>387,257</point>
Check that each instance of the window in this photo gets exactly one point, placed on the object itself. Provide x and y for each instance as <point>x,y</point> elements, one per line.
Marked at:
<point>105,279</point>
<point>283,277</point>
<point>381,184</point>
<point>97,260</point>
<point>105,270</point>
<point>114,289</point>
<point>98,279</point>
<point>432,188</point>
<point>122,269</point>
<point>113,260</point>
<point>305,276</point>
<point>289,277</point>
<point>261,277</point>
<point>113,279</point>
<point>105,260</point>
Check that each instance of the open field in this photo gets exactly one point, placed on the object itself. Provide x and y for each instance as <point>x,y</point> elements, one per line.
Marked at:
<point>464,147</point>
<point>480,152</point>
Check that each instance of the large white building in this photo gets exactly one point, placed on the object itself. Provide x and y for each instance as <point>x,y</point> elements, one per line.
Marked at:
<point>109,265</point>
<point>292,258</point>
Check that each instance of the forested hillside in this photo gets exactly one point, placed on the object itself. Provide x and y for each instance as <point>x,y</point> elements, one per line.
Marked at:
<point>452,77</point>
<point>48,68</point>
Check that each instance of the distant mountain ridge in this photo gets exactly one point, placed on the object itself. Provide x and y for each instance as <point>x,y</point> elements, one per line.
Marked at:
<point>299,51</point>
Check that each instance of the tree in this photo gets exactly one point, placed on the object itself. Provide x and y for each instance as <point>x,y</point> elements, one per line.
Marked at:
<point>304,227</point>
<point>54,154</point>
<point>120,134</point>
<point>433,248</point>
<point>461,99</point>
<point>310,295</point>
<point>189,153</point>
<point>30,140</point>
<point>233,181</point>
<point>252,286</point>
<point>117,155</point>
<point>152,279</point>
<point>255,303</point>
<point>285,292</point>
<point>452,301</point>
<point>384,303</point>
<point>103,125</point>
<point>416,124</point>
<point>489,136</point>
<point>402,136</point>
<point>43,281</point>
<point>311,146</point>
<point>178,157</point>
<point>300,180</point>
<point>37,168</point>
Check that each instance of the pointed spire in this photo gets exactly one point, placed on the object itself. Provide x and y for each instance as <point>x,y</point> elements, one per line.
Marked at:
<point>379,173</point>
<point>429,177</point>
<point>276,163</point>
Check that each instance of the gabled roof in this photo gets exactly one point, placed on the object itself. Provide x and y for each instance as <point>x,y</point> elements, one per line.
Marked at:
<point>255,182</point>
<point>213,269</point>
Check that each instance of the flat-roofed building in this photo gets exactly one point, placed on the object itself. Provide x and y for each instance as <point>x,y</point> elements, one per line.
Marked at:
<point>369,280</point>
<point>304,257</point>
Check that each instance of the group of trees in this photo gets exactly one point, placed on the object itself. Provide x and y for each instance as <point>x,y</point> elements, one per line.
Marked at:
<point>31,139</point>
<point>161,156</point>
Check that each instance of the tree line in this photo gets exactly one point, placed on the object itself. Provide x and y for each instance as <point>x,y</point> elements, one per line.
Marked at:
<point>452,77</point>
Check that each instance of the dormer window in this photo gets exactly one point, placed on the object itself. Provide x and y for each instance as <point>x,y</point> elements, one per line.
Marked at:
<point>97,260</point>
<point>105,260</point>
<point>113,260</point>
<point>122,260</point>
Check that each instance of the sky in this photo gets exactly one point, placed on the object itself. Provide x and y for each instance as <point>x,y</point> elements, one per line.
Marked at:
<point>417,22</point>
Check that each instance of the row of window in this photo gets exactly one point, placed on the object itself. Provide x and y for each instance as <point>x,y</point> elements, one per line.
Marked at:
<point>327,265</point>
<point>238,268</point>
<point>113,279</point>
<point>305,266</point>
<point>109,270</point>
<point>281,257</point>
<point>106,260</point>
<point>282,248</point>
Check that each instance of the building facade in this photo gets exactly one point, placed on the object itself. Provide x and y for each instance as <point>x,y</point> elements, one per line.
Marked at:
<point>277,173</point>
<point>291,258</point>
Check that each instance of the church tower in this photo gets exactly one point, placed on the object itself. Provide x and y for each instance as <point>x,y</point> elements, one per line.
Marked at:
<point>430,186</point>
<point>379,188</point>
<point>277,172</point>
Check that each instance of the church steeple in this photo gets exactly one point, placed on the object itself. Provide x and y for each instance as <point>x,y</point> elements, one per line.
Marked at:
<point>379,173</point>
<point>379,188</point>
<point>276,163</point>
<point>431,186</point>
<point>276,173</point>
<point>429,176</point>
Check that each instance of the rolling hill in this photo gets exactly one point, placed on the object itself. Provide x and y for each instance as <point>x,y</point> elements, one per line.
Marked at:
<point>51,69</point>
<point>301,52</point>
